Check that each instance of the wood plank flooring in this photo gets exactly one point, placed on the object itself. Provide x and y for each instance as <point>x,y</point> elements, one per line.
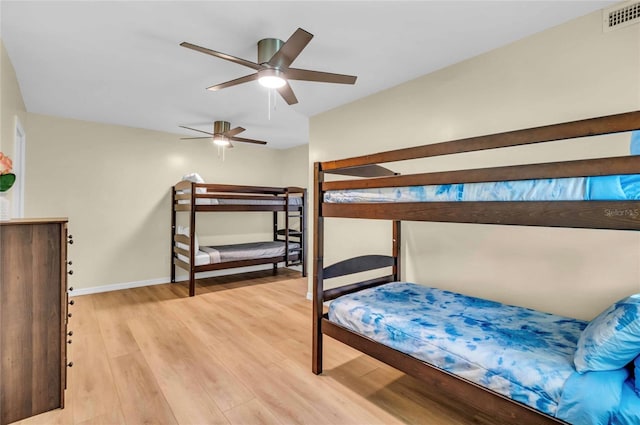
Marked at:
<point>237,353</point>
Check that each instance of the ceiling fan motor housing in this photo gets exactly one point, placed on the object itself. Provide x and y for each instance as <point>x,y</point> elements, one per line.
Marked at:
<point>267,47</point>
<point>220,127</point>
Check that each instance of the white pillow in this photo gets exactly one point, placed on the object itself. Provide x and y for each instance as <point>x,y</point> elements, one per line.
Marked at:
<point>184,230</point>
<point>193,177</point>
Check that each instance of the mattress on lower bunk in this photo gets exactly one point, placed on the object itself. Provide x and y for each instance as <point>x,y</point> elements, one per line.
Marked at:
<point>293,200</point>
<point>523,354</point>
<point>236,252</point>
<point>600,188</point>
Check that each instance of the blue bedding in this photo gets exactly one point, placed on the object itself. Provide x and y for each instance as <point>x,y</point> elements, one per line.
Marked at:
<point>521,353</point>
<point>601,188</point>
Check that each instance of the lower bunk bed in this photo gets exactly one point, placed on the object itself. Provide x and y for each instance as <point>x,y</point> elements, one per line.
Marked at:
<point>515,364</point>
<point>525,355</point>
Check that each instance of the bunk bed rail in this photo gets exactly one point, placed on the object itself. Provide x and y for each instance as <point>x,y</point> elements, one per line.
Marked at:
<point>610,124</point>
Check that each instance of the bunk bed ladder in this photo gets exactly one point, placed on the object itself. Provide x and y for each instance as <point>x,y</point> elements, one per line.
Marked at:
<point>301,233</point>
<point>286,234</point>
<point>295,233</point>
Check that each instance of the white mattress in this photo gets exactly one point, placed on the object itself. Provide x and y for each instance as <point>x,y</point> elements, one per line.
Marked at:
<point>293,200</point>
<point>237,252</point>
<point>201,258</point>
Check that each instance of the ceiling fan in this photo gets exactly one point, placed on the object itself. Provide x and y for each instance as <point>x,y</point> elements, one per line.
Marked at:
<point>223,134</point>
<point>273,71</point>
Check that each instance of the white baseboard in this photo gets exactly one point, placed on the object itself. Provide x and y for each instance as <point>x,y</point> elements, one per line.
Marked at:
<point>117,286</point>
<point>163,280</point>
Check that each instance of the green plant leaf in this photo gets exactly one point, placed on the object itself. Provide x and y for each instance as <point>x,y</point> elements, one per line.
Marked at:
<point>6,181</point>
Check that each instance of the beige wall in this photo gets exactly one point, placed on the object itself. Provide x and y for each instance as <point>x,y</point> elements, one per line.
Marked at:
<point>295,164</point>
<point>11,106</point>
<point>569,72</point>
<point>114,184</point>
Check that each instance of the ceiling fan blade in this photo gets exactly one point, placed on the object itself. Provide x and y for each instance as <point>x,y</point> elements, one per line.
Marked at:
<point>235,82</point>
<point>233,132</point>
<point>291,49</point>
<point>287,94</point>
<point>221,55</point>
<point>195,129</point>
<point>322,77</point>
<point>242,139</point>
<point>194,138</point>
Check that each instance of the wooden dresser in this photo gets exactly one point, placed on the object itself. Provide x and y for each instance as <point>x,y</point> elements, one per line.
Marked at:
<point>33,316</point>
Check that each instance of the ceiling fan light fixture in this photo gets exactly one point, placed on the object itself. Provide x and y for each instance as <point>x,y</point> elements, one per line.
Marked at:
<point>221,140</point>
<point>272,78</point>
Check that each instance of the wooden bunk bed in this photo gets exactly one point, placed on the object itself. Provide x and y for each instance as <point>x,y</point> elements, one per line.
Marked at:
<point>192,198</point>
<point>600,214</point>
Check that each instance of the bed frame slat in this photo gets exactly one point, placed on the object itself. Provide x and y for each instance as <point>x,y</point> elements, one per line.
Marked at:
<point>569,130</point>
<point>240,207</point>
<point>615,215</point>
<point>503,409</point>
<point>372,170</point>
<point>241,189</point>
<point>178,237</point>
<point>332,294</point>
<point>359,264</point>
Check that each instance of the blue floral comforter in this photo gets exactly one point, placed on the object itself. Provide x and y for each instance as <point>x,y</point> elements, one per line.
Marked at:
<point>521,353</point>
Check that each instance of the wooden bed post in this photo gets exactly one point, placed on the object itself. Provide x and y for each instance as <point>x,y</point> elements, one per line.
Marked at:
<point>303,230</point>
<point>395,250</point>
<point>286,227</point>
<point>192,241</point>
<point>318,252</point>
<point>275,237</point>
<point>173,233</point>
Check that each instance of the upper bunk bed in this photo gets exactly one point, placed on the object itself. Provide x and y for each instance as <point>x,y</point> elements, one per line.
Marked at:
<point>288,244</point>
<point>516,364</point>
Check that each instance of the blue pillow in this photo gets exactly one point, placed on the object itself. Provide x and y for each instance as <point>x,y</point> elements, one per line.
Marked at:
<point>635,142</point>
<point>612,339</point>
<point>591,398</point>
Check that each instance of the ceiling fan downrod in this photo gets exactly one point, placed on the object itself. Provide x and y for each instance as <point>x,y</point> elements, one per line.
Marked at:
<point>220,127</point>
<point>267,47</point>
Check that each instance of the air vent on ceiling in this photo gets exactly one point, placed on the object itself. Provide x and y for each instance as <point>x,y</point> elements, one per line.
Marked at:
<point>621,16</point>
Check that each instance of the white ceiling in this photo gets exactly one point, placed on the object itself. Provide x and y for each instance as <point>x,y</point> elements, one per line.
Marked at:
<point>119,62</point>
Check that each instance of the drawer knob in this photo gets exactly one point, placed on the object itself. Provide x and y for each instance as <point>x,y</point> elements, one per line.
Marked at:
<point>69,342</point>
<point>69,315</point>
<point>70,333</point>
<point>69,262</point>
<point>70,271</point>
<point>70,364</point>
<point>72,302</point>
<point>70,288</point>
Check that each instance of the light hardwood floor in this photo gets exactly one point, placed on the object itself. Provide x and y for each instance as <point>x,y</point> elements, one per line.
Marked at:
<point>237,353</point>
